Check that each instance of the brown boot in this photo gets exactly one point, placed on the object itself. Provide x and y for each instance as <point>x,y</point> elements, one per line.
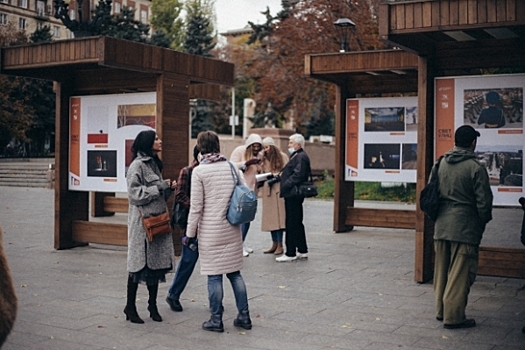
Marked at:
<point>279,249</point>
<point>272,249</point>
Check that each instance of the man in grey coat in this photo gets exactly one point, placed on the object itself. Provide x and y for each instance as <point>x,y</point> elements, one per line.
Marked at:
<point>465,207</point>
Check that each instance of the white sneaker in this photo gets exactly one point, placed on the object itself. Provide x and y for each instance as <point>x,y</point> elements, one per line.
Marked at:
<point>245,252</point>
<point>302,256</point>
<point>248,249</point>
<point>286,258</point>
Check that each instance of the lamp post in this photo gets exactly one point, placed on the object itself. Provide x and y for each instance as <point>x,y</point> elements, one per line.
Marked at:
<point>84,26</point>
<point>344,25</point>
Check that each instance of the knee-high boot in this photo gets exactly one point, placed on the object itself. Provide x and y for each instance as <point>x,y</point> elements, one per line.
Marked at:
<point>153,290</point>
<point>131,310</point>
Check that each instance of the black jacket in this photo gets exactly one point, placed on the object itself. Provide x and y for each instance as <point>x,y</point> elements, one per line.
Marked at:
<point>295,172</point>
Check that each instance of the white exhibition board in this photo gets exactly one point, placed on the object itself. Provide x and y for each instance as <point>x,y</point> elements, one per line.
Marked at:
<point>493,104</point>
<point>381,139</point>
<point>102,130</point>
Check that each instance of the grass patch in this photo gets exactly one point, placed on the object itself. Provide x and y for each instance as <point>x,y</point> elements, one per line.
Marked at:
<point>370,191</point>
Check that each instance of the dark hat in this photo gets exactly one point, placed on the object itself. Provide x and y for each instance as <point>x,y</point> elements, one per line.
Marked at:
<point>492,97</point>
<point>465,134</point>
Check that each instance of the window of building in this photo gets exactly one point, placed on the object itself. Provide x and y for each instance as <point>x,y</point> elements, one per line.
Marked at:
<point>3,19</point>
<point>4,1</point>
<point>117,7</point>
<point>22,23</point>
<point>56,31</point>
<point>22,3</point>
<point>41,8</point>
<point>72,14</point>
<point>144,16</point>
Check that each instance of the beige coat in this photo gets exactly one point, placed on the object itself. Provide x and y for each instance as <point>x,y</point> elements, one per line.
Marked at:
<point>238,159</point>
<point>273,213</point>
<point>220,243</point>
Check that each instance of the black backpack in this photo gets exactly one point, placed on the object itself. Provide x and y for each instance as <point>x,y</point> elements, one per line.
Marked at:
<point>429,198</point>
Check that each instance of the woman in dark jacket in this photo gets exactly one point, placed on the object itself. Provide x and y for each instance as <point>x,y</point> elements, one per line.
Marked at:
<point>294,173</point>
<point>148,262</point>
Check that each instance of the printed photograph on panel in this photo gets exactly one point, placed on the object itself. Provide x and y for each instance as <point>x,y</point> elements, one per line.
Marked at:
<point>504,164</point>
<point>409,156</point>
<point>385,119</point>
<point>102,163</point>
<point>141,114</point>
<point>97,125</point>
<point>382,156</point>
<point>411,118</point>
<point>500,108</point>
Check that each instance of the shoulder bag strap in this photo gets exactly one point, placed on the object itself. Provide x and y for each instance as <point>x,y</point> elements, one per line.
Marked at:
<point>234,174</point>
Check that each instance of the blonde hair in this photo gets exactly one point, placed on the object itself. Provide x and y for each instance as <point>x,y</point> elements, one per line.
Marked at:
<point>275,159</point>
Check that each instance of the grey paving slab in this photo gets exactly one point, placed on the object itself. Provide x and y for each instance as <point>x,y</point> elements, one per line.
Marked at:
<point>356,291</point>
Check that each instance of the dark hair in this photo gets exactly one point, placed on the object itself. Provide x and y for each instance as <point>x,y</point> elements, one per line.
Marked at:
<point>465,135</point>
<point>208,142</point>
<point>144,143</point>
<point>196,152</point>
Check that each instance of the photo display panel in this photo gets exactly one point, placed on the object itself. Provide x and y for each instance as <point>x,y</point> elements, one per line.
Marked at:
<point>102,130</point>
<point>381,139</point>
<point>493,105</point>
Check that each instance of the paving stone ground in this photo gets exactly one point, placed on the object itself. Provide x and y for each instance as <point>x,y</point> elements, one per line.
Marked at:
<point>356,291</point>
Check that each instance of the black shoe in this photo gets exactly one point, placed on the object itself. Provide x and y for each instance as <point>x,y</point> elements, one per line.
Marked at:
<point>245,323</point>
<point>214,324</point>
<point>174,305</point>
<point>522,202</point>
<point>132,315</point>
<point>439,318</point>
<point>154,313</point>
<point>468,323</point>
<point>523,330</point>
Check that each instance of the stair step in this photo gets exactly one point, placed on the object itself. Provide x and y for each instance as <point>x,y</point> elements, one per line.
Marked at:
<point>24,173</point>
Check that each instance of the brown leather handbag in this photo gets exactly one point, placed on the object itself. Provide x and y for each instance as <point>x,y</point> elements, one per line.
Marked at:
<point>156,225</point>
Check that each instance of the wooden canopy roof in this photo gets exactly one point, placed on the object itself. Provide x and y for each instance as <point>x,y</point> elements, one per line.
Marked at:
<point>460,35</point>
<point>366,72</point>
<point>107,65</point>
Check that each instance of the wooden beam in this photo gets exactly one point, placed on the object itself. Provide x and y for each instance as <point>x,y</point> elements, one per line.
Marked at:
<point>405,219</point>
<point>100,232</point>
<point>501,262</point>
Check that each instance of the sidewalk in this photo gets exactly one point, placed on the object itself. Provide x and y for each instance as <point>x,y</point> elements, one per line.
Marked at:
<point>356,292</point>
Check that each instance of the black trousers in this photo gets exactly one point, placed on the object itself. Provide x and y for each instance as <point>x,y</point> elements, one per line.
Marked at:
<point>295,237</point>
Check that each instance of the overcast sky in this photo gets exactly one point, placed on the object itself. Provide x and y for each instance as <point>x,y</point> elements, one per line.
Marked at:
<point>235,14</point>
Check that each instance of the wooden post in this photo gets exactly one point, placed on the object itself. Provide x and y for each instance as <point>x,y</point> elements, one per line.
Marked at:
<point>69,205</point>
<point>344,190</point>
<point>424,250</point>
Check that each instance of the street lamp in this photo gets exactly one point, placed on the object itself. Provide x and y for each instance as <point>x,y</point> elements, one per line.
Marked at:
<point>84,26</point>
<point>343,26</point>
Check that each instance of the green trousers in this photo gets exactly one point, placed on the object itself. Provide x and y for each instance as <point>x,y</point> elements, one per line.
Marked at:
<point>455,269</point>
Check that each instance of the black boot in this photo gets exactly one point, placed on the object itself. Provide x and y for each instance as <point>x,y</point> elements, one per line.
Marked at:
<point>131,310</point>
<point>152,302</point>
<point>214,324</point>
<point>243,320</point>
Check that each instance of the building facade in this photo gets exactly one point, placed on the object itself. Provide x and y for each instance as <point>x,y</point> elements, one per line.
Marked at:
<point>30,15</point>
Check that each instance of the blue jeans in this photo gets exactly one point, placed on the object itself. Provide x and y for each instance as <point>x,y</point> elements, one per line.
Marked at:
<point>187,263</point>
<point>277,236</point>
<point>244,229</point>
<point>216,293</point>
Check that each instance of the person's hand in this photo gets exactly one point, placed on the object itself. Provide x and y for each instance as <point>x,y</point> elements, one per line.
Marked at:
<point>252,161</point>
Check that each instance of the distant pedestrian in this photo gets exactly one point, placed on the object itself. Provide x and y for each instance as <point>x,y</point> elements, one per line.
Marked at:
<point>465,207</point>
<point>148,262</point>
<point>248,158</point>
<point>220,243</point>
<point>295,172</point>
<point>273,211</point>
<point>190,254</point>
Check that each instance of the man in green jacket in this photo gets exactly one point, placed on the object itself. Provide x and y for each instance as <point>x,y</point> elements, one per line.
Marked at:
<point>465,207</point>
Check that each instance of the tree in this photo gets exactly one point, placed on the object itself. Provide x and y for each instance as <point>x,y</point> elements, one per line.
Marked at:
<point>165,19</point>
<point>200,38</point>
<point>302,28</point>
<point>41,35</point>
<point>125,26</point>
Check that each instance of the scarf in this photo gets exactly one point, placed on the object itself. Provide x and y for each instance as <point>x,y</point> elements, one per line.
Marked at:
<point>209,158</point>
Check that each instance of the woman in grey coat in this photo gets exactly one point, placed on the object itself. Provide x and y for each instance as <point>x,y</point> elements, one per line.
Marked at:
<point>148,262</point>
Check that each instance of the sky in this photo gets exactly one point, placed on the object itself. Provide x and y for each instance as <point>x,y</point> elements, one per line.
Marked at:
<point>235,14</point>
